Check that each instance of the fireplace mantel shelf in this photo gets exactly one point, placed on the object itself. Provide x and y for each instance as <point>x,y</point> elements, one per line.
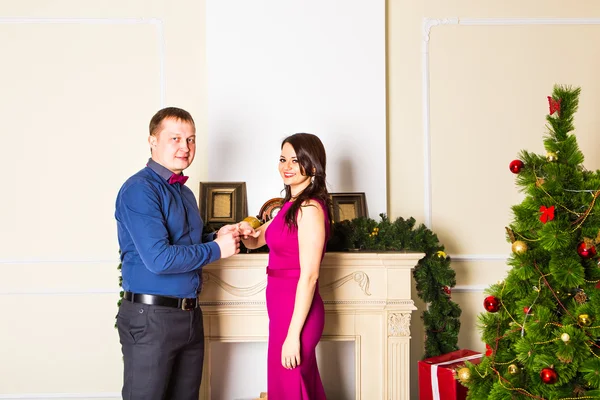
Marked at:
<point>367,299</point>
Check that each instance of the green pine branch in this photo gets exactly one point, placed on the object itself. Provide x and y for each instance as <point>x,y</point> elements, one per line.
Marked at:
<point>433,276</point>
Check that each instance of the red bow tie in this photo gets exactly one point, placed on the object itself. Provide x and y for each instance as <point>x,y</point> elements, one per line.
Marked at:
<point>176,178</point>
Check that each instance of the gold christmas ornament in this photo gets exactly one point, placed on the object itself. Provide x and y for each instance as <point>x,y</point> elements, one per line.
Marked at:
<point>551,156</point>
<point>519,247</point>
<point>441,254</point>
<point>584,320</point>
<point>464,374</point>
<point>565,337</point>
<point>513,369</point>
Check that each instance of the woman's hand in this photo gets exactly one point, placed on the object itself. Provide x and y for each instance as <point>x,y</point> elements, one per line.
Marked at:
<point>246,230</point>
<point>290,352</point>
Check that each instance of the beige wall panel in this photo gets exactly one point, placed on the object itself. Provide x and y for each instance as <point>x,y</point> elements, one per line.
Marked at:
<point>488,101</point>
<point>51,278</point>
<point>78,96</point>
<point>471,304</point>
<point>476,274</point>
<point>60,343</point>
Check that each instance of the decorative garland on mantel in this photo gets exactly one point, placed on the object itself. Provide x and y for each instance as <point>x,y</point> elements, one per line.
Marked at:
<point>433,276</point>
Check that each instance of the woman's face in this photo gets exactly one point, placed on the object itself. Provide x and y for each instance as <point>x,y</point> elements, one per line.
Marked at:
<point>290,170</point>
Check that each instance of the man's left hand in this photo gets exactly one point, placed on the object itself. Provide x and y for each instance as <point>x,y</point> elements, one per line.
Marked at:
<point>227,229</point>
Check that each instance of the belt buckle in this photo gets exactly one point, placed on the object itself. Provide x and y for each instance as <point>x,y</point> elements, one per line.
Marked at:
<point>185,306</point>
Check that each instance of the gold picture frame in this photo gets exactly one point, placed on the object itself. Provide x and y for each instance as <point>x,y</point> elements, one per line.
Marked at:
<point>222,203</point>
<point>348,206</point>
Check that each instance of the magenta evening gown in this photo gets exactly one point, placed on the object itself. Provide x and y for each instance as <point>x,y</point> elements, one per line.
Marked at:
<point>303,382</point>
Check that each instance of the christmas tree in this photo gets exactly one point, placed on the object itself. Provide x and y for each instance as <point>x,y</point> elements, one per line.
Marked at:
<point>541,326</point>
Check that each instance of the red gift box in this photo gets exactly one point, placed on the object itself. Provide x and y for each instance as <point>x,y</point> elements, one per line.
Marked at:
<point>437,379</point>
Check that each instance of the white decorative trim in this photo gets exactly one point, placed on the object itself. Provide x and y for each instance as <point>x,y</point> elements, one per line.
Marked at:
<point>399,324</point>
<point>429,23</point>
<point>234,290</point>
<point>528,21</point>
<point>469,288</point>
<point>478,257</point>
<point>60,261</point>
<point>60,292</point>
<point>359,276</point>
<point>157,23</point>
<point>94,395</point>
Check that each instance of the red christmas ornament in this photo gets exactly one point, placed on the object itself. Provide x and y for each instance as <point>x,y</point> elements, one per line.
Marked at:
<point>491,304</point>
<point>586,252</point>
<point>488,350</point>
<point>554,105</point>
<point>548,376</point>
<point>547,214</point>
<point>516,166</point>
<point>447,290</point>
<point>526,310</point>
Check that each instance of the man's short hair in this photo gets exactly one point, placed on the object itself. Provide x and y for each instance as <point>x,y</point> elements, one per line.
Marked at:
<point>170,112</point>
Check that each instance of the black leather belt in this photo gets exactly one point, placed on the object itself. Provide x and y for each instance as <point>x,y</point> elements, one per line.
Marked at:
<point>165,301</point>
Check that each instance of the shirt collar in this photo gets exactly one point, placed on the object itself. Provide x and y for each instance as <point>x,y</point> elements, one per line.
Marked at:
<point>163,172</point>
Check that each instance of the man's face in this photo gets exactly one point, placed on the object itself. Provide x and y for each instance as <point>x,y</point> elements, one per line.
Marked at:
<point>174,145</point>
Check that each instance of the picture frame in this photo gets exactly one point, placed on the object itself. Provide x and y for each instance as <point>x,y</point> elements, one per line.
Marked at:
<point>348,206</point>
<point>222,203</point>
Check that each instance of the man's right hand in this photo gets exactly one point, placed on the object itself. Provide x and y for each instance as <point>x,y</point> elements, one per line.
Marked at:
<point>229,243</point>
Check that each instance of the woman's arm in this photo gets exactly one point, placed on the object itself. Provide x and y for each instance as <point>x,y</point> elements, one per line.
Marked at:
<point>246,234</point>
<point>311,239</point>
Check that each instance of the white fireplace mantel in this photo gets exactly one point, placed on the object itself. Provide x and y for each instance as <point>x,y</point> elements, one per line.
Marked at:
<point>367,300</point>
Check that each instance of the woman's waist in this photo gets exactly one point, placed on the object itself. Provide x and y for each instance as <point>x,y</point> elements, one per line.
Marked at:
<point>289,273</point>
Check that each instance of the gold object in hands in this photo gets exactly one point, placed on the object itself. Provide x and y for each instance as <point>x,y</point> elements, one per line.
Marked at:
<point>253,221</point>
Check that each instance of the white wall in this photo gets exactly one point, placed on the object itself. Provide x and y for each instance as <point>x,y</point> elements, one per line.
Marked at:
<point>280,67</point>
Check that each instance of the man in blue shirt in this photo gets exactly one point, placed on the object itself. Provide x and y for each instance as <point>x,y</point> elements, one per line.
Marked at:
<point>163,249</point>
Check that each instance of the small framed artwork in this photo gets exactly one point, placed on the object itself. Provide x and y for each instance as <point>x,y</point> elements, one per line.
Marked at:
<point>347,206</point>
<point>222,203</point>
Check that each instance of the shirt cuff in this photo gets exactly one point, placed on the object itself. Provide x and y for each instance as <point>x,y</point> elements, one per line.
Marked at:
<point>215,252</point>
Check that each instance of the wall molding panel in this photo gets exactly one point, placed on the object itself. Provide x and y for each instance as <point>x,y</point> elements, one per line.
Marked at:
<point>109,395</point>
<point>428,25</point>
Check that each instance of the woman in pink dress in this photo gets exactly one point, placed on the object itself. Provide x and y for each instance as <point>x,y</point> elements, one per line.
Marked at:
<point>296,237</point>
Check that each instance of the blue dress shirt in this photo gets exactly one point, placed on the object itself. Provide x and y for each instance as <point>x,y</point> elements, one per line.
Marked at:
<point>160,235</point>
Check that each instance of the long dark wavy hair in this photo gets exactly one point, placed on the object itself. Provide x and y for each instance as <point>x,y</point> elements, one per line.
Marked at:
<point>311,156</point>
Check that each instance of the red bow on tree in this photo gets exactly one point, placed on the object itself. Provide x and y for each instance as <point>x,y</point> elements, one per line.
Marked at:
<point>554,105</point>
<point>547,214</point>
